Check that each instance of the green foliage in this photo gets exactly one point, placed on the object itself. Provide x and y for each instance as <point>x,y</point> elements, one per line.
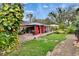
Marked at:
<point>70,29</point>
<point>8,42</point>
<point>62,26</point>
<point>10,18</point>
<point>66,29</point>
<point>76,23</point>
<point>59,31</point>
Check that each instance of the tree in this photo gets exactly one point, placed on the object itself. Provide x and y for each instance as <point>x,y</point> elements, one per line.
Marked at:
<point>10,18</point>
<point>76,23</point>
<point>30,17</point>
<point>46,21</point>
<point>34,19</point>
<point>62,15</point>
<point>52,17</point>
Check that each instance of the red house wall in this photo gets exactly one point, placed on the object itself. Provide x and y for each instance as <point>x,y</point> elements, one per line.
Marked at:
<point>36,29</point>
<point>42,29</point>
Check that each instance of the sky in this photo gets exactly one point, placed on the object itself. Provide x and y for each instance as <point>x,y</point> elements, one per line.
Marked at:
<point>41,10</point>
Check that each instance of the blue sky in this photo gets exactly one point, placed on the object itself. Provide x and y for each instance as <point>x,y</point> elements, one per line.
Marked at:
<point>41,10</point>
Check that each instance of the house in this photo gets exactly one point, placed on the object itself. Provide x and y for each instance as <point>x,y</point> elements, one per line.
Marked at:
<point>33,28</point>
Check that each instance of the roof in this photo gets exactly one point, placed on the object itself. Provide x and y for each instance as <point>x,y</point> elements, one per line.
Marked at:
<point>25,23</point>
<point>35,24</point>
<point>53,25</point>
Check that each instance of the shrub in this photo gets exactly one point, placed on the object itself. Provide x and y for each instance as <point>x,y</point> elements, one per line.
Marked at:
<point>61,26</point>
<point>70,30</point>
<point>8,42</point>
<point>59,31</point>
<point>10,18</point>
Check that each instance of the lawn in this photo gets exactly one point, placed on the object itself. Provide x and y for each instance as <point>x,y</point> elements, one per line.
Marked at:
<point>39,47</point>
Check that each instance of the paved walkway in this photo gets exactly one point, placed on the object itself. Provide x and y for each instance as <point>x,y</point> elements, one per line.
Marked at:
<point>27,37</point>
<point>65,48</point>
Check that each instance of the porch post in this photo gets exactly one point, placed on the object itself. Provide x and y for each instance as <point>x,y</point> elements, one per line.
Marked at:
<point>40,29</point>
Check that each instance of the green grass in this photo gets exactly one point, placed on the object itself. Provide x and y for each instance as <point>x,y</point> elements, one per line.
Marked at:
<point>39,47</point>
